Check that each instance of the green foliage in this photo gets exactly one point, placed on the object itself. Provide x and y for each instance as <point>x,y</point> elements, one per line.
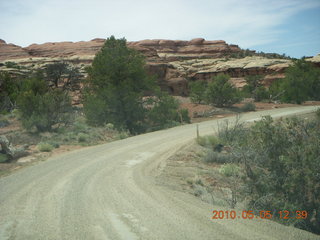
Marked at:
<point>197,91</point>
<point>164,112</point>
<point>184,115</point>
<point>302,82</point>
<point>260,94</point>
<point>9,91</point>
<point>42,107</point>
<point>59,72</point>
<point>221,93</point>
<point>117,80</point>
<point>247,52</point>
<point>10,64</point>
<point>231,132</point>
<point>109,126</point>
<point>248,107</point>
<point>216,157</point>
<point>123,135</point>
<point>275,91</point>
<point>82,137</point>
<point>253,82</point>
<point>254,88</point>
<point>208,141</point>
<point>95,109</point>
<point>4,121</point>
<point>45,147</point>
<point>4,158</point>
<point>230,170</point>
<point>115,92</point>
<point>318,113</point>
<point>281,163</point>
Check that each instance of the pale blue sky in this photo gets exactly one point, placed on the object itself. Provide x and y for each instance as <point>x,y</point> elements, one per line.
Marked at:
<point>283,26</point>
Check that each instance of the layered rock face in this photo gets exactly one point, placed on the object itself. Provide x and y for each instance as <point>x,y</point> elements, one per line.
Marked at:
<point>11,51</point>
<point>163,49</point>
<point>174,62</point>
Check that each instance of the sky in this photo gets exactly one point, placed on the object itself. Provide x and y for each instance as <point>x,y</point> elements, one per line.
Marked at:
<point>281,26</point>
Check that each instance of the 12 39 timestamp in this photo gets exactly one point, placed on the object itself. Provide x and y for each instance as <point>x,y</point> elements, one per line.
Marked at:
<point>249,214</point>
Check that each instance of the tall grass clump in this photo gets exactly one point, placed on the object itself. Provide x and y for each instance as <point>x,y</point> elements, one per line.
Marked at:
<point>45,147</point>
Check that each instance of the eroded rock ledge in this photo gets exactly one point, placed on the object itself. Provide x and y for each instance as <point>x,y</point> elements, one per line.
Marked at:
<point>174,62</point>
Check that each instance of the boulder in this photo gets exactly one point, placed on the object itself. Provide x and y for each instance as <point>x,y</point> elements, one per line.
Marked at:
<point>196,41</point>
<point>8,149</point>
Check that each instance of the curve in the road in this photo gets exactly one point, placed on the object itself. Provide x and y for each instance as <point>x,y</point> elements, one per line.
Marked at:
<point>109,192</point>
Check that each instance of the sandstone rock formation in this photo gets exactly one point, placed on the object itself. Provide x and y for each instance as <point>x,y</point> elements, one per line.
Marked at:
<point>174,62</point>
<point>11,51</point>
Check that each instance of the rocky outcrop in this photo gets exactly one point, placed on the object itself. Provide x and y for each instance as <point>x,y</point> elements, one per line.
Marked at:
<point>11,51</point>
<point>65,49</point>
<point>12,152</point>
<point>173,62</point>
<point>315,60</point>
<point>164,49</point>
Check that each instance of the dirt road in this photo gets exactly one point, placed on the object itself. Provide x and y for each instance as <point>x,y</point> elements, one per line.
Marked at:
<point>109,192</point>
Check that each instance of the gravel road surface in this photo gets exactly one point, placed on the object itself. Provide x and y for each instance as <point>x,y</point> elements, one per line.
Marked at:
<point>109,192</point>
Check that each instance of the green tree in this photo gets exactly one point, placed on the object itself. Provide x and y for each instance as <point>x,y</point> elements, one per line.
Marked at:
<point>302,82</point>
<point>253,82</point>
<point>42,107</point>
<point>254,88</point>
<point>62,72</point>
<point>197,91</point>
<point>164,111</point>
<point>9,91</point>
<point>221,93</point>
<point>118,80</point>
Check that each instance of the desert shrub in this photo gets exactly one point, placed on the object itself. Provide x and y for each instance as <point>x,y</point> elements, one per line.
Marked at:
<point>80,126</point>
<point>4,158</point>
<point>281,163</point>
<point>302,82</point>
<point>4,121</point>
<point>164,112</point>
<point>45,147</point>
<point>248,107</point>
<point>54,144</point>
<point>82,137</point>
<point>229,131</point>
<point>318,113</point>
<point>10,64</point>
<point>230,170</point>
<point>216,157</point>
<point>41,107</point>
<point>199,182</point>
<point>221,93</point>
<point>184,116</point>
<point>275,91</point>
<point>109,126</point>
<point>208,141</point>
<point>254,88</point>
<point>197,91</point>
<point>9,91</point>
<point>260,94</point>
<point>123,135</point>
<point>253,82</point>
